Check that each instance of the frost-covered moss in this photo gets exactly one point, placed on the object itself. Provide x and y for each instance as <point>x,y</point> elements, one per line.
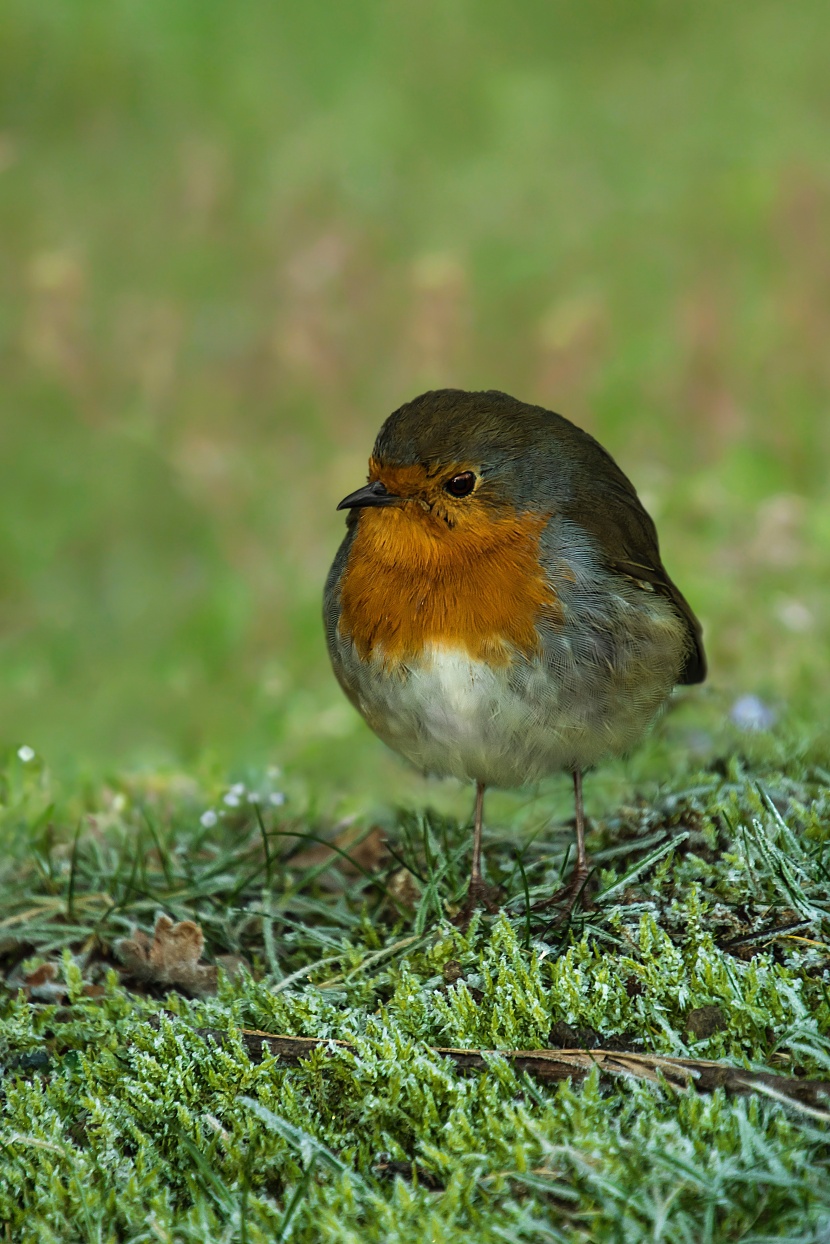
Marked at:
<point>134,1124</point>
<point>120,1121</point>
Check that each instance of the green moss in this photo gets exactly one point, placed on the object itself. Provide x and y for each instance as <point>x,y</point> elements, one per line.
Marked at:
<point>236,236</point>
<point>121,1121</point>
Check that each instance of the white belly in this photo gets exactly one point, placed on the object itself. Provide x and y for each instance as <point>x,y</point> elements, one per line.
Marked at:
<point>452,715</point>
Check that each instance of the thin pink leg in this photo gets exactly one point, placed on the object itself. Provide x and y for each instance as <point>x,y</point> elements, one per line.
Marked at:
<point>568,893</point>
<point>476,879</point>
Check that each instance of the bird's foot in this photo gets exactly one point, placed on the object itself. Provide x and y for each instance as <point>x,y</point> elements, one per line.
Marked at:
<point>567,896</point>
<point>480,894</point>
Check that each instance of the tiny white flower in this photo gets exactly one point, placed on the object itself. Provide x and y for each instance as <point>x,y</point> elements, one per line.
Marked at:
<point>25,753</point>
<point>253,797</point>
<point>749,712</point>
<point>208,819</point>
<point>238,788</point>
<point>231,799</point>
<point>277,798</point>
<point>795,615</point>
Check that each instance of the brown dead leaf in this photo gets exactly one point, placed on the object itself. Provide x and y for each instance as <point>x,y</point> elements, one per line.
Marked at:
<point>42,984</point>
<point>171,958</point>
<point>365,853</point>
<point>41,975</point>
<point>368,854</point>
<point>233,965</point>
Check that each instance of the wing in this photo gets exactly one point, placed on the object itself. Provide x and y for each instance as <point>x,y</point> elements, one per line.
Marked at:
<point>605,503</point>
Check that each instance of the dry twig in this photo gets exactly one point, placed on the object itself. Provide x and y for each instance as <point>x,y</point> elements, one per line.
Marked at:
<point>564,1064</point>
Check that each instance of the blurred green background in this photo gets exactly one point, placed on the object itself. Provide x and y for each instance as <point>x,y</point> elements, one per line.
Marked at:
<point>234,236</point>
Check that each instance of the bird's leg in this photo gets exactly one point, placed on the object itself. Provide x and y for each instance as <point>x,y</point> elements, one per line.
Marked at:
<point>581,855</point>
<point>479,892</point>
<point>476,879</point>
<point>569,893</point>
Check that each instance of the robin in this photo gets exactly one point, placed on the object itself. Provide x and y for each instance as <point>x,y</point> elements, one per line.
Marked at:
<point>498,610</point>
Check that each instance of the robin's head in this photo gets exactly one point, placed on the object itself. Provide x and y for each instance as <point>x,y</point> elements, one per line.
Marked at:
<point>459,458</point>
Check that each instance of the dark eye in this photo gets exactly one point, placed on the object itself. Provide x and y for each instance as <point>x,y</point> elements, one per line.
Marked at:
<point>461,485</point>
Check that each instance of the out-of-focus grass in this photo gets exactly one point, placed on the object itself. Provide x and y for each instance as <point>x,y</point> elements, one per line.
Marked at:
<point>233,237</point>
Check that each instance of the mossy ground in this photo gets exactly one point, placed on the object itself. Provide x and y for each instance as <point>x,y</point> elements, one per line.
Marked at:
<point>234,236</point>
<point>121,1122</point>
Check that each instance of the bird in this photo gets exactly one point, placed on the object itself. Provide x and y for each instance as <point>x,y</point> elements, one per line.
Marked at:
<point>498,610</point>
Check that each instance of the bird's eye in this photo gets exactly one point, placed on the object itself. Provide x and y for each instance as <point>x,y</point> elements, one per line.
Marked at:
<point>461,485</point>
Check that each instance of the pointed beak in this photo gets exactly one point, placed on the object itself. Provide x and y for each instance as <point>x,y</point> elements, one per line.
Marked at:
<point>369,494</point>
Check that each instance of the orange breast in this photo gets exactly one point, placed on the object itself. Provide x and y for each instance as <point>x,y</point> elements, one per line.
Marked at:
<point>411,580</point>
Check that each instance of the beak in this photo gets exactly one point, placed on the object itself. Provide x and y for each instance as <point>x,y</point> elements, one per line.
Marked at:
<point>369,494</point>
